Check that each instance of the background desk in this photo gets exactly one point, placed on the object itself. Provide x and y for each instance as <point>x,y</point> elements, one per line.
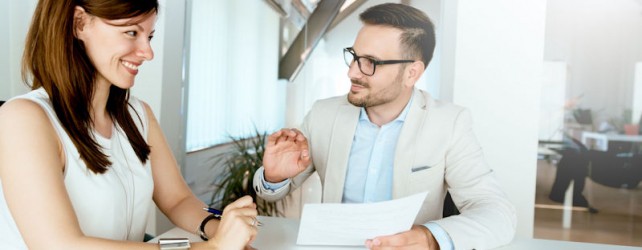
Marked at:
<point>280,234</point>
<point>601,141</point>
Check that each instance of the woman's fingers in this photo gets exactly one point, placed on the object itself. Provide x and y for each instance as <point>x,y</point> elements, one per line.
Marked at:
<point>245,201</point>
<point>238,225</point>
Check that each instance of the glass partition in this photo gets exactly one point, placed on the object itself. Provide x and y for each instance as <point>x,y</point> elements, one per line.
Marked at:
<point>590,158</point>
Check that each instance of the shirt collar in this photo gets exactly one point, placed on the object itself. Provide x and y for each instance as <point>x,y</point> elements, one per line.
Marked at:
<point>363,115</point>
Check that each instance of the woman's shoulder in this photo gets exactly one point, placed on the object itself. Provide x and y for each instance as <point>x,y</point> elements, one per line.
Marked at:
<point>28,106</point>
<point>23,118</point>
<point>21,109</point>
<point>141,114</point>
<point>138,105</point>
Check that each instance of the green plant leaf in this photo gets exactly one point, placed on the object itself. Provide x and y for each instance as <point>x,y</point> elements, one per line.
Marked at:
<point>240,166</point>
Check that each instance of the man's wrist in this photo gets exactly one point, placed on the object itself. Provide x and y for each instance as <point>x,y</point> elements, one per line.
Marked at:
<point>271,179</point>
<point>441,236</point>
<point>430,239</point>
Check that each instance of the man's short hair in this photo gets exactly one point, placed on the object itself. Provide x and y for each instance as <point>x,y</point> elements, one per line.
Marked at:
<point>418,33</point>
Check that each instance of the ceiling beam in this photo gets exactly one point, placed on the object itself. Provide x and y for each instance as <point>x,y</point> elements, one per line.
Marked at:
<point>314,29</point>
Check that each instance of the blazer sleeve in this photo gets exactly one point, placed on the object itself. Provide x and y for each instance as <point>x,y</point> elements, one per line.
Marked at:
<point>487,218</point>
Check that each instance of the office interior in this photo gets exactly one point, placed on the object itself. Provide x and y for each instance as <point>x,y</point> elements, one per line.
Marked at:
<point>535,75</point>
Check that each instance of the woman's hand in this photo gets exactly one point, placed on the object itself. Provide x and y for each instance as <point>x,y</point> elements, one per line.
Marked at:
<point>237,228</point>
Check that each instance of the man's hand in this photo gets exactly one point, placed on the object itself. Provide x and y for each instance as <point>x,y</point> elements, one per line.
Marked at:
<point>286,155</point>
<point>418,237</point>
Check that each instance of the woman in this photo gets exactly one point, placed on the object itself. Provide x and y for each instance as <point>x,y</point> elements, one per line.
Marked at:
<point>81,160</point>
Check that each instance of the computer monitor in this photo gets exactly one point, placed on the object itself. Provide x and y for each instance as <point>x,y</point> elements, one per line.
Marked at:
<point>583,116</point>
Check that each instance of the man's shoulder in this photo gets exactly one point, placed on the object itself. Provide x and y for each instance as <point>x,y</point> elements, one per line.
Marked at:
<point>324,109</point>
<point>436,106</point>
<point>331,104</point>
<point>332,101</point>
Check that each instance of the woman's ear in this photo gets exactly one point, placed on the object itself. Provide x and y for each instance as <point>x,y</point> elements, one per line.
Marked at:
<point>80,20</point>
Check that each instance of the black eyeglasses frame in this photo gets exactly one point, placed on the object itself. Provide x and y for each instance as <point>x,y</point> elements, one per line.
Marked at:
<point>374,62</point>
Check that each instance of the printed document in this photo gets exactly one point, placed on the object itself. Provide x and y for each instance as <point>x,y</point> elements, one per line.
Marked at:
<point>352,224</point>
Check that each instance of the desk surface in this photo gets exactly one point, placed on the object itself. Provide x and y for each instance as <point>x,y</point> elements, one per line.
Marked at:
<point>612,137</point>
<point>601,141</point>
<point>281,233</point>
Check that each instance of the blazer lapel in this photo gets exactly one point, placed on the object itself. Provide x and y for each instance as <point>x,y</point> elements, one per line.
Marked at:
<point>343,131</point>
<point>406,145</point>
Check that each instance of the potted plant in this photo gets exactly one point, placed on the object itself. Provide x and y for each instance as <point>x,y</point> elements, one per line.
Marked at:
<point>240,163</point>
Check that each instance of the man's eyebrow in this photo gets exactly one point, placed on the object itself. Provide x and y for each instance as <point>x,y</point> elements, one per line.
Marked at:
<point>366,55</point>
<point>370,56</point>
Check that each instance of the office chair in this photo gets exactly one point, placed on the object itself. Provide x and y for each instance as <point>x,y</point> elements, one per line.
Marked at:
<point>583,116</point>
<point>449,206</point>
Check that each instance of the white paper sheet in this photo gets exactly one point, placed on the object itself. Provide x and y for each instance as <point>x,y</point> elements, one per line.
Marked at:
<point>352,224</point>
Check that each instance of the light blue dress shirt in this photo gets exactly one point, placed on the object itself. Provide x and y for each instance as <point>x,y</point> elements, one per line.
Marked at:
<point>370,167</point>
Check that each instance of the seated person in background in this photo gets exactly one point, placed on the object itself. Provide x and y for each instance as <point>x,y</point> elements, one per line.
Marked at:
<point>573,166</point>
<point>80,159</point>
<point>387,140</point>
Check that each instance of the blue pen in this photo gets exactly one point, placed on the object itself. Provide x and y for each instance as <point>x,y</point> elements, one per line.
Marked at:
<point>218,214</point>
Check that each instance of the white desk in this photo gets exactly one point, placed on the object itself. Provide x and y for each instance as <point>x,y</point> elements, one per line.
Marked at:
<point>602,140</point>
<point>280,234</point>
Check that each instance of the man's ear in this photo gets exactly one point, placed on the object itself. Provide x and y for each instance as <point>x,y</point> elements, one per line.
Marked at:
<point>414,72</point>
<point>80,20</point>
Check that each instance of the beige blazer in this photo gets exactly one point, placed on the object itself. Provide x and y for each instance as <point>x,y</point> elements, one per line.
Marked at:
<point>437,151</point>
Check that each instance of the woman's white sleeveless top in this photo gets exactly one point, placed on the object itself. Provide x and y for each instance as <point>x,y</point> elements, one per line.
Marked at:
<point>113,205</point>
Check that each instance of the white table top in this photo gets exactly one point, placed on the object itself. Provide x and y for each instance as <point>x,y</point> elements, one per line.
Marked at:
<point>612,137</point>
<point>602,140</point>
<point>280,234</point>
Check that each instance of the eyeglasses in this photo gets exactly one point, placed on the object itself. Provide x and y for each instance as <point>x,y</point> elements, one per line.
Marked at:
<point>367,65</point>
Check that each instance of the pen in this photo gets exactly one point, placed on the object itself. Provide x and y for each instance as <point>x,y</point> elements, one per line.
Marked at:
<point>218,214</point>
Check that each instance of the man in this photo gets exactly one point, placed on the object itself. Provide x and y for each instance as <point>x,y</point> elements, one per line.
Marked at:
<point>388,140</point>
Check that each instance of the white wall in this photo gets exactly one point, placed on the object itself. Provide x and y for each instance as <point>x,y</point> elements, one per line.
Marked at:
<point>14,24</point>
<point>496,70</point>
<point>551,115</point>
<point>5,50</point>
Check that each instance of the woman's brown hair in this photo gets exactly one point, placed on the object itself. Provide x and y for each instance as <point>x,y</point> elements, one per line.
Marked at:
<point>59,64</point>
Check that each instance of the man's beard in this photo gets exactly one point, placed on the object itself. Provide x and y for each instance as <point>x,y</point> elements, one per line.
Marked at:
<point>384,96</point>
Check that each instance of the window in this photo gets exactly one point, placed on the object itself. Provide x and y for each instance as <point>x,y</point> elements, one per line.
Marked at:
<point>231,71</point>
